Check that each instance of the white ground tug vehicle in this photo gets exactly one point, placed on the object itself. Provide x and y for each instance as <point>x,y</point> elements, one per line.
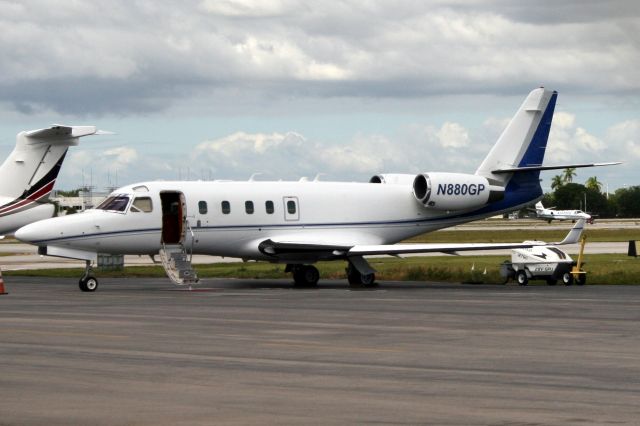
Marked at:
<point>544,263</point>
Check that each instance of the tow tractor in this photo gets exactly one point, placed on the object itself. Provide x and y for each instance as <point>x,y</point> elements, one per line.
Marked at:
<point>544,263</point>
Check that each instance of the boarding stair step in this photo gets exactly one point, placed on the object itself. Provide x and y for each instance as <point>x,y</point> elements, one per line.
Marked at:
<point>177,264</point>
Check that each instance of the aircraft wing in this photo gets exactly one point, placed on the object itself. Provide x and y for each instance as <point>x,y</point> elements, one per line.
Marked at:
<point>451,248</point>
<point>290,248</point>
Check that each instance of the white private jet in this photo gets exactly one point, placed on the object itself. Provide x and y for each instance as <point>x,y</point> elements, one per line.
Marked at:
<point>549,214</point>
<point>27,176</point>
<point>300,223</point>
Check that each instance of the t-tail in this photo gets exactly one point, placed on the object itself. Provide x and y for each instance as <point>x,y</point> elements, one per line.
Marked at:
<point>28,175</point>
<point>515,160</point>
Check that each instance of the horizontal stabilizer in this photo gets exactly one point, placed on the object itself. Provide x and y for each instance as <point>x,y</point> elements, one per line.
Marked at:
<point>558,167</point>
<point>58,131</point>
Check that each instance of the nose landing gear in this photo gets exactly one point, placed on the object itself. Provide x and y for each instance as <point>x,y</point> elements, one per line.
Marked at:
<point>88,282</point>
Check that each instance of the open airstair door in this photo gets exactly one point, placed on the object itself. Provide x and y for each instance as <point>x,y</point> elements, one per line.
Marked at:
<point>173,217</point>
<point>175,258</point>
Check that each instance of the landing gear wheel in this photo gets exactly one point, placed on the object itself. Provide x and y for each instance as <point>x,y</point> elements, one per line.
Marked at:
<point>582,279</point>
<point>567,278</point>
<point>357,279</point>
<point>88,283</point>
<point>306,276</point>
<point>521,278</point>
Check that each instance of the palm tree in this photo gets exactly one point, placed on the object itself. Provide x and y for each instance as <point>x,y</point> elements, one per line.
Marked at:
<point>569,174</point>
<point>593,183</point>
<point>556,182</point>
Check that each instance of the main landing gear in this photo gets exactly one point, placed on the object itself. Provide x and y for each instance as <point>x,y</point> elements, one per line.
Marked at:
<point>304,275</point>
<point>358,279</point>
<point>308,276</point>
<point>88,282</point>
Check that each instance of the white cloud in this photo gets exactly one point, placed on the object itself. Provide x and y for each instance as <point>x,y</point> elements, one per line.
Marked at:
<point>569,143</point>
<point>453,135</point>
<point>244,153</point>
<point>156,54</point>
<point>291,155</point>
<point>120,156</point>
<point>285,64</point>
<point>100,167</point>
<point>247,8</point>
<point>563,120</point>
<point>626,137</point>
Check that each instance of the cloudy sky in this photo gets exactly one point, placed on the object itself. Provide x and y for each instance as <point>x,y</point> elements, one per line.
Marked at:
<point>227,88</point>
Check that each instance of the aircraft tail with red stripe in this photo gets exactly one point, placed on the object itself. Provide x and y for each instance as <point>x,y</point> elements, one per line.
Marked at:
<point>28,175</point>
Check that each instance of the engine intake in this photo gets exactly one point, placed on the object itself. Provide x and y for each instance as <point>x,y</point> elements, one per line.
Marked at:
<point>392,179</point>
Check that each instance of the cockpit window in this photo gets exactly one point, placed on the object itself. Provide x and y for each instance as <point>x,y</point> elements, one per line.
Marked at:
<point>117,203</point>
<point>142,204</point>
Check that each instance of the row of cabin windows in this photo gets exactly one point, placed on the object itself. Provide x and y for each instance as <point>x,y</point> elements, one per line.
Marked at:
<point>248,207</point>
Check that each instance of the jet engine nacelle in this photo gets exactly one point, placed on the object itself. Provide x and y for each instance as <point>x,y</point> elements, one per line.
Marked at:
<point>454,191</point>
<point>393,179</point>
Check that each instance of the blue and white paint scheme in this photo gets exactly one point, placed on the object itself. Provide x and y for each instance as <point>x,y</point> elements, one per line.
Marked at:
<point>300,223</point>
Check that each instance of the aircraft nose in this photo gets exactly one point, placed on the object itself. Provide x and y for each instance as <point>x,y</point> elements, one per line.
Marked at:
<point>30,233</point>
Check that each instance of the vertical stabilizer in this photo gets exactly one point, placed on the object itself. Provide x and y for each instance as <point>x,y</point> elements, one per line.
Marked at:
<point>33,166</point>
<point>27,176</point>
<point>524,140</point>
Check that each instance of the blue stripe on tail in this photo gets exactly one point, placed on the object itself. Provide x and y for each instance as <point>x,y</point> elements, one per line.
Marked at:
<point>524,187</point>
<point>534,156</point>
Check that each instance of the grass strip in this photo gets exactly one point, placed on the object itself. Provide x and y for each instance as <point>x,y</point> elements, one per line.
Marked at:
<point>601,269</point>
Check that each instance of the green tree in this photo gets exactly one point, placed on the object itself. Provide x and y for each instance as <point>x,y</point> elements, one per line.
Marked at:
<point>548,200</point>
<point>573,195</point>
<point>569,196</point>
<point>557,182</point>
<point>569,174</point>
<point>627,201</point>
<point>593,183</point>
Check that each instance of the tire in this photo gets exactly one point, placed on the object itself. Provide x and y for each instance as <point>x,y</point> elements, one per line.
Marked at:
<point>582,279</point>
<point>521,278</point>
<point>551,281</point>
<point>567,278</point>
<point>357,279</point>
<point>306,276</point>
<point>89,284</point>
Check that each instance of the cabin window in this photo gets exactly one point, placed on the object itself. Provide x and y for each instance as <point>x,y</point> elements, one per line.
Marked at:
<point>202,207</point>
<point>226,207</point>
<point>248,207</point>
<point>116,203</point>
<point>142,204</point>
<point>291,207</point>
<point>269,207</point>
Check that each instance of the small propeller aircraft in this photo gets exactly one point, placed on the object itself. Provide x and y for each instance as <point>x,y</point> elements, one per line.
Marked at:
<point>549,214</point>
<point>28,175</point>
<point>300,223</point>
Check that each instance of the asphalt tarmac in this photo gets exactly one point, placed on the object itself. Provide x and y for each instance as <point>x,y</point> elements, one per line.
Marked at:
<point>142,352</point>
